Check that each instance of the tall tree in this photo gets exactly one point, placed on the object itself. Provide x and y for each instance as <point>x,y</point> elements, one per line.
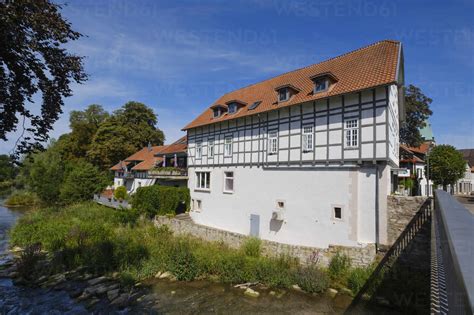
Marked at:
<point>34,61</point>
<point>129,129</point>
<point>417,106</point>
<point>84,125</point>
<point>446,165</point>
<point>8,169</point>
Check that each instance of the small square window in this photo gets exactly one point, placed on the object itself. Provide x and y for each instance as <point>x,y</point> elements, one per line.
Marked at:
<point>198,205</point>
<point>283,94</point>
<point>338,213</point>
<point>228,182</point>
<point>280,205</point>
<point>320,85</point>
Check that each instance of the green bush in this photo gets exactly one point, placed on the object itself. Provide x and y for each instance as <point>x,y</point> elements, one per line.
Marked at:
<point>120,193</point>
<point>161,200</point>
<point>252,247</point>
<point>182,262</point>
<point>312,279</point>
<point>23,198</point>
<point>339,267</point>
<point>358,277</point>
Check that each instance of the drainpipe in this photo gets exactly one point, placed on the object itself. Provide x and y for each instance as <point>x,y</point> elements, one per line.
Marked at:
<point>377,221</point>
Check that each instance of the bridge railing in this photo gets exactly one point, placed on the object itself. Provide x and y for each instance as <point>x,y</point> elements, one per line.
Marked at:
<point>452,257</point>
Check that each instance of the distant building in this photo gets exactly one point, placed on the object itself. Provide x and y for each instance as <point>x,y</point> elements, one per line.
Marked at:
<point>465,186</point>
<point>306,157</point>
<point>164,164</point>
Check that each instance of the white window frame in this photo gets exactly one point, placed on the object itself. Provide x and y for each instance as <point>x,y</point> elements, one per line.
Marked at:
<point>352,133</point>
<point>287,94</point>
<point>233,106</point>
<point>226,178</point>
<point>308,138</point>
<point>228,146</point>
<point>316,82</point>
<point>333,215</point>
<point>273,142</point>
<point>198,149</point>
<point>203,185</point>
<point>210,148</point>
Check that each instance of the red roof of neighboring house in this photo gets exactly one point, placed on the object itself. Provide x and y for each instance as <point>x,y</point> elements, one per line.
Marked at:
<point>364,68</point>
<point>147,158</point>
<point>423,148</point>
<point>413,158</point>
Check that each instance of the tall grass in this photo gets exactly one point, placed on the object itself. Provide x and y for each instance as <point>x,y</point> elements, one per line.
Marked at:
<point>110,240</point>
<point>22,198</point>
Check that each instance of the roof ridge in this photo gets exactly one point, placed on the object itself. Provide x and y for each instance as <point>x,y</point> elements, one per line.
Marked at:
<point>317,63</point>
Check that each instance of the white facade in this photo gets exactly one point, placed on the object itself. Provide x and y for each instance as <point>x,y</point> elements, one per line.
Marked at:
<point>465,185</point>
<point>332,192</point>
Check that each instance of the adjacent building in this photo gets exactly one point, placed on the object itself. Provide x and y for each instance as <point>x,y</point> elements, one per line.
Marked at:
<point>465,186</point>
<point>165,165</point>
<point>306,157</point>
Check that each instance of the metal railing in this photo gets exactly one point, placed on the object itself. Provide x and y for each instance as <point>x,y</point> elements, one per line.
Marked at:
<point>452,257</point>
<point>413,227</point>
<point>111,202</point>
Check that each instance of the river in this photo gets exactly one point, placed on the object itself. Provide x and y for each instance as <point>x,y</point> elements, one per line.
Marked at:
<point>162,296</point>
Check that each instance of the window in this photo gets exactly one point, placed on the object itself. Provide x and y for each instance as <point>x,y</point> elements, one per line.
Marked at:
<point>280,205</point>
<point>210,149</point>
<point>272,142</point>
<point>198,150</point>
<point>255,105</point>
<point>308,138</point>
<point>232,108</point>
<point>217,112</point>
<point>203,180</point>
<point>338,213</point>
<point>197,204</point>
<point>228,182</point>
<point>283,94</point>
<point>320,85</point>
<point>228,146</point>
<point>352,133</point>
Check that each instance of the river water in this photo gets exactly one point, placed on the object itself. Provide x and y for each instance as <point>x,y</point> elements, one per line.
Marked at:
<point>162,296</point>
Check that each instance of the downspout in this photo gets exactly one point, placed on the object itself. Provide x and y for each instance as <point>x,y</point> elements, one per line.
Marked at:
<point>377,221</point>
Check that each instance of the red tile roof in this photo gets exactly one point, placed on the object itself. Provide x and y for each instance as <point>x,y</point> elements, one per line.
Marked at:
<point>367,67</point>
<point>147,157</point>
<point>423,148</point>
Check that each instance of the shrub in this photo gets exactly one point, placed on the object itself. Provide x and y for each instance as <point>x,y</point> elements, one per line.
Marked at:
<point>358,277</point>
<point>339,267</point>
<point>273,272</point>
<point>252,247</point>
<point>161,200</point>
<point>311,279</point>
<point>182,262</point>
<point>81,182</point>
<point>29,257</point>
<point>23,198</point>
<point>120,193</point>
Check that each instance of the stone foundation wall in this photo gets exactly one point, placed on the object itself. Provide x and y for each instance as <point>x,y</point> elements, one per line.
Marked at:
<point>401,210</point>
<point>361,256</point>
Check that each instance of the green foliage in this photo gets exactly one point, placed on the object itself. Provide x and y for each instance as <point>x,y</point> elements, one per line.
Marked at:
<point>129,129</point>
<point>8,169</point>
<point>252,247</point>
<point>120,193</point>
<point>182,262</point>
<point>339,267</point>
<point>36,63</point>
<point>99,238</point>
<point>82,181</point>
<point>408,183</point>
<point>22,198</point>
<point>447,165</point>
<point>417,107</point>
<point>358,277</point>
<point>161,200</point>
<point>312,279</point>
<point>46,174</point>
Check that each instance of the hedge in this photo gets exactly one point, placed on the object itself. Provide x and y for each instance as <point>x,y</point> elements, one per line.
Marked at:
<point>161,200</point>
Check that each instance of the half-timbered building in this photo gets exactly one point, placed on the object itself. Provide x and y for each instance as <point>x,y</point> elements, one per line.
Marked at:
<point>303,158</point>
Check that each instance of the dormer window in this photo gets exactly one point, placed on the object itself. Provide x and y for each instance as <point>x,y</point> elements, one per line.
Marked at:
<point>321,85</point>
<point>323,81</point>
<point>218,110</point>
<point>283,95</point>
<point>232,108</point>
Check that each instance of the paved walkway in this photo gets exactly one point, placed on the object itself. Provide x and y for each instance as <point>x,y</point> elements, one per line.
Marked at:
<point>467,201</point>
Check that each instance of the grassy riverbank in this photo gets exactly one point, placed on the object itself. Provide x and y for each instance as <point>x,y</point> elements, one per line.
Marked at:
<point>108,240</point>
<point>22,198</point>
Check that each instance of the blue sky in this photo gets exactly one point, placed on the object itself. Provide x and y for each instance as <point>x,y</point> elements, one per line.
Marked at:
<point>179,56</point>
